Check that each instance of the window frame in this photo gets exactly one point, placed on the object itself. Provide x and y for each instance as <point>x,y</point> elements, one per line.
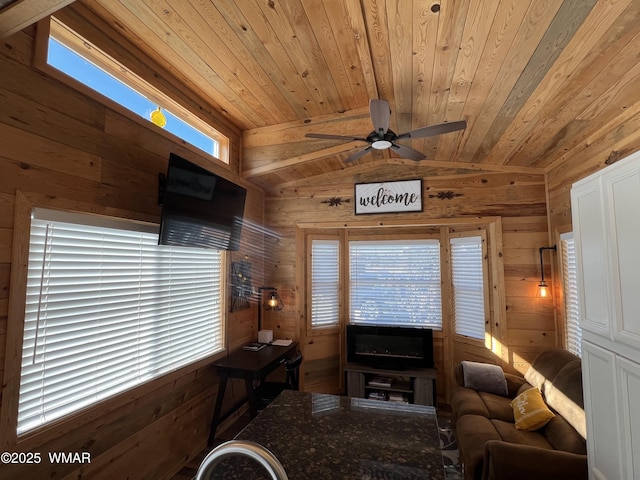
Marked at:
<point>25,203</point>
<point>89,50</point>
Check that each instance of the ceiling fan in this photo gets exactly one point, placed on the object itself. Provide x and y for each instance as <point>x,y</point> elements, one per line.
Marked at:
<point>382,138</point>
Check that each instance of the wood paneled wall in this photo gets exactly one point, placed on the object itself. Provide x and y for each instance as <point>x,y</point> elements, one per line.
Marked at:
<point>517,197</point>
<point>63,146</point>
<point>596,146</point>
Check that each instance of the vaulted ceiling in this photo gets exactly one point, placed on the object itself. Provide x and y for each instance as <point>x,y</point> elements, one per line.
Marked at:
<point>534,79</point>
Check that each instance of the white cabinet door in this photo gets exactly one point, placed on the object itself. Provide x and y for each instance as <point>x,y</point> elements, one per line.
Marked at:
<point>622,206</point>
<point>606,223</point>
<point>601,407</point>
<point>629,391</point>
<point>591,256</point>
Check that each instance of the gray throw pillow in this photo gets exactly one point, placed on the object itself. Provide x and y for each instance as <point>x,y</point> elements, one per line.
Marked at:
<point>484,377</point>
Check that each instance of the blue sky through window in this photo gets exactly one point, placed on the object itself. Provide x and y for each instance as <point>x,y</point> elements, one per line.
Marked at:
<point>76,66</point>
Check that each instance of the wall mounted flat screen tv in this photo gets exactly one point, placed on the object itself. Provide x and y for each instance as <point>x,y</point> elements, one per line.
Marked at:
<point>199,208</point>
<point>388,347</point>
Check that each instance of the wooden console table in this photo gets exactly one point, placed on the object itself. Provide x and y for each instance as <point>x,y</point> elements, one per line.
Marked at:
<point>420,387</point>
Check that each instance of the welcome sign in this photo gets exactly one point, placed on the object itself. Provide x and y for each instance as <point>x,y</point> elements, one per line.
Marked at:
<point>388,197</point>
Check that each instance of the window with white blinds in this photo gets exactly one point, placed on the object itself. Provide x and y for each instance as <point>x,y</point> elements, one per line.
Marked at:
<point>325,283</point>
<point>467,276</point>
<point>395,282</point>
<point>573,332</point>
<point>108,309</point>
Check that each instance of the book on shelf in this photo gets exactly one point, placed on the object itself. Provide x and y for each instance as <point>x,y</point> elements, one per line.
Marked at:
<point>398,397</point>
<point>377,396</point>
<point>380,381</point>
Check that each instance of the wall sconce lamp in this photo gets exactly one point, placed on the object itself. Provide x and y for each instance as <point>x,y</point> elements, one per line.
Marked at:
<point>543,288</point>
<point>271,302</point>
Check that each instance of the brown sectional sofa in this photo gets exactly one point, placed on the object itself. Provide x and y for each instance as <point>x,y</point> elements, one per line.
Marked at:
<point>490,445</point>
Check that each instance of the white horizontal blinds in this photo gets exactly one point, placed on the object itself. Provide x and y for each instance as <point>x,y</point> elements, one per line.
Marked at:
<point>395,282</point>
<point>468,286</point>
<point>325,283</point>
<point>570,289</point>
<point>107,309</point>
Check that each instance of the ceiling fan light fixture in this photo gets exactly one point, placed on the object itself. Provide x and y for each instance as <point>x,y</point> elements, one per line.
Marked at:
<point>382,138</point>
<point>381,144</point>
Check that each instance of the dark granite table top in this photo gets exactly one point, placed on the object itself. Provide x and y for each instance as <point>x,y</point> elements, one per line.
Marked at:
<point>318,436</point>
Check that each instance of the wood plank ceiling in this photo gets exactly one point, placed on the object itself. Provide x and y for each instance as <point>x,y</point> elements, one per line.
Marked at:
<point>534,79</point>
<point>18,14</point>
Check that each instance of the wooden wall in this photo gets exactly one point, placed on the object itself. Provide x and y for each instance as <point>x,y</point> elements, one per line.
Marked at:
<point>60,146</point>
<point>518,197</point>
<point>596,145</point>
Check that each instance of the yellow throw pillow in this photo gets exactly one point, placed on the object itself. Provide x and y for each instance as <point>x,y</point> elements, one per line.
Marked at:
<point>529,410</point>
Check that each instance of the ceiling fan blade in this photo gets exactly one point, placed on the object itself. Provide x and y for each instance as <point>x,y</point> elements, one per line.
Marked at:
<point>407,152</point>
<point>358,154</point>
<point>334,137</point>
<point>380,115</point>
<point>433,130</point>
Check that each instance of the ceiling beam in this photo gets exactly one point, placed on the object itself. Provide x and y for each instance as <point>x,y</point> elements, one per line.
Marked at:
<point>354,121</point>
<point>298,159</point>
<point>22,13</point>
<point>480,167</point>
<point>269,149</point>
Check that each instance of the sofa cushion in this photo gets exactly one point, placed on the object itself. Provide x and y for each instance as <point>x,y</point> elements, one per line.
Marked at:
<point>499,407</point>
<point>564,437</point>
<point>466,401</point>
<point>564,394</point>
<point>529,410</point>
<point>472,432</point>
<point>523,388</point>
<point>508,461</point>
<point>508,433</point>
<point>514,383</point>
<point>484,377</point>
<point>546,366</point>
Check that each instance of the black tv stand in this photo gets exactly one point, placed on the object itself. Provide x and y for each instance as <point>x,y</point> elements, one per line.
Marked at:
<point>417,385</point>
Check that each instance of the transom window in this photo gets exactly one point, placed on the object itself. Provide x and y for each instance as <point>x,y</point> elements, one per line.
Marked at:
<point>108,309</point>
<point>83,61</point>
